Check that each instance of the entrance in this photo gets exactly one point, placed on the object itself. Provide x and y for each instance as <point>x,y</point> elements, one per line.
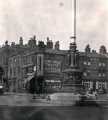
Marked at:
<point>37,85</point>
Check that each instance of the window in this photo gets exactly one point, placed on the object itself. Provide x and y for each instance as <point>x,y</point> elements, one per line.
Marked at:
<point>24,60</point>
<point>87,84</point>
<point>14,73</point>
<point>85,63</point>
<point>40,60</point>
<point>99,74</point>
<point>99,64</point>
<point>30,69</point>
<point>89,63</point>
<point>103,74</point>
<point>10,71</point>
<point>103,64</point>
<point>52,66</point>
<point>69,57</point>
<point>18,69</point>
<point>15,59</point>
<point>85,74</point>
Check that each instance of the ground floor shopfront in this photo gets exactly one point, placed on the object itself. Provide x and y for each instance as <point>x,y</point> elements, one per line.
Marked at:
<point>95,85</point>
<point>57,84</point>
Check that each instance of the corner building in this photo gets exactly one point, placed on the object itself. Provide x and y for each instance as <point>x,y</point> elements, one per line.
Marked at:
<point>51,62</point>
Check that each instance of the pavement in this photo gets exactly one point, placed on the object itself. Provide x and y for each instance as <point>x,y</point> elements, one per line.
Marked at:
<point>102,100</point>
<point>21,106</point>
<point>52,113</point>
<point>26,99</point>
<point>21,99</point>
<point>57,99</point>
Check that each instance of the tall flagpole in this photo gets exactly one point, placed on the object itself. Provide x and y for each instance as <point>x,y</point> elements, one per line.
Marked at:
<point>74,21</point>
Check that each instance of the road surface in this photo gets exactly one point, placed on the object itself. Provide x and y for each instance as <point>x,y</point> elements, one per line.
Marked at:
<point>23,107</point>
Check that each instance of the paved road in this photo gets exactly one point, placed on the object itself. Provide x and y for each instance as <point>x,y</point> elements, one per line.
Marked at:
<point>18,99</point>
<point>23,107</point>
<point>52,113</point>
<point>23,99</point>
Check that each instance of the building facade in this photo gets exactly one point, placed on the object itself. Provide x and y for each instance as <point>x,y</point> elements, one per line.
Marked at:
<point>95,69</point>
<point>42,59</point>
<point>56,66</point>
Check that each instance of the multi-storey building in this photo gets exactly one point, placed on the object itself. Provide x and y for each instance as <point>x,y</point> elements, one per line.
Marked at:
<point>95,68</point>
<point>47,61</point>
<point>7,51</point>
<point>56,66</point>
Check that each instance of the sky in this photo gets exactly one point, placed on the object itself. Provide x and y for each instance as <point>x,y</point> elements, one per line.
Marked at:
<point>54,18</point>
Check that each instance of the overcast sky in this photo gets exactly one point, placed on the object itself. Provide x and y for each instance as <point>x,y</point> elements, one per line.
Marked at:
<point>54,18</point>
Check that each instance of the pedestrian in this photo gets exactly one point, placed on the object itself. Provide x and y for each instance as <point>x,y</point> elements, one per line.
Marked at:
<point>95,94</point>
<point>48,98</point>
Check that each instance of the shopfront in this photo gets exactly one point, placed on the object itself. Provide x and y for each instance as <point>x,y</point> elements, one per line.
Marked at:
<point>53,83</point>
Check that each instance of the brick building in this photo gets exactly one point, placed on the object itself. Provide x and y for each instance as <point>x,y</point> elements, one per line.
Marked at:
<point>95,69</point>
<point>48,62</point>
<point>56,65</point>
